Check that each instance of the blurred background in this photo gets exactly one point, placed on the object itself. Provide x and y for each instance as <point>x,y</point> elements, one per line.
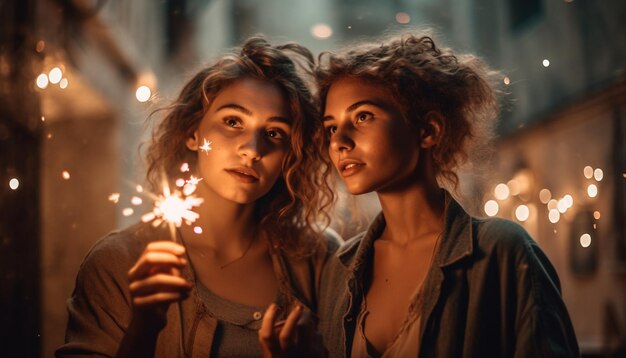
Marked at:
<point>79,77</point>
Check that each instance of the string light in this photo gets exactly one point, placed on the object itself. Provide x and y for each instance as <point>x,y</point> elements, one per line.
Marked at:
<point>321,31</point>
<point>522,212</point>
<point>585,240</point>
<point>592,190</point>
<point>14,183</point>
<point>403,18</point>
<point>554,216</point>
<point>598,174</point>
<point>143,93</point>
<point>596,215</point>
<point>491,207</point>
<point>545,195</point>
<point>588,172</point>
<point>55,75</point>
<point>546,62</point>
<point>501,191</point>
<point>42,81</point>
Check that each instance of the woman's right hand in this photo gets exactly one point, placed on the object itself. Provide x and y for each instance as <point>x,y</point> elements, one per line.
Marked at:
<point>155,282</point>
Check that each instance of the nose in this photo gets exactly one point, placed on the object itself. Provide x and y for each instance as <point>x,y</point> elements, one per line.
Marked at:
<point>250,148</point>
<point>342,139</point>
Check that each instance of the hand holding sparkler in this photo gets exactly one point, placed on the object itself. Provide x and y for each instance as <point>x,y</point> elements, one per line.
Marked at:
<point>156,281</point>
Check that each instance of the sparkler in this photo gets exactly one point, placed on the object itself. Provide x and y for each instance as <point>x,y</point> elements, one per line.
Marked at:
<point>206,146</point>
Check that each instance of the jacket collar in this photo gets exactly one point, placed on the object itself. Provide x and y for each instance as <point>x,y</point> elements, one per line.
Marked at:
<point>455,244</point>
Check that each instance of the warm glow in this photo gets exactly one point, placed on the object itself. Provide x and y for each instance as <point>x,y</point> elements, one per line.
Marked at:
<point>598,174</point>
<point>554,216</point>
<point>174,209</point>
<point>42,81</point>
<point>585,240</point>
<point>197,230</point>
<point>501,191</point>
<point>562,206</point>
<point>135,200</point>
<point>546,62</point>
<point>592,190</point>
<point>184,168</point>
<point>55,75</point>
<point>139,188</point>
<point>143,93</point>
<point>403,18</point>
<point>491,207</point>
<point>506,80</point>
<point>180,182</point>
<point>596,215</point>
<point>522,212</point>
<point>321,31</point>
<point>128,211</point>
<point>588,172</point>
<point>66,175</point>
<point>545,195</point>
<point>63,84</point>
<point>14,183</point>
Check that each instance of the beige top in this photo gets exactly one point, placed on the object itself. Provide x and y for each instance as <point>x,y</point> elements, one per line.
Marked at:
<point>406,342</point>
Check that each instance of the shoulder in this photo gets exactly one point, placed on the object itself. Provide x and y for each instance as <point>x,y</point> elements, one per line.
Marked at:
<point>502,236</point>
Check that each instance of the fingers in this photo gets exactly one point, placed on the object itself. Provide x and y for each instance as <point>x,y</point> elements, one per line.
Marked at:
<point>306,329</point>
<point>287,337</point>
<point>267,338</point>
<point>159,283</point>
<point>155,279</point>
<point>158,256</point>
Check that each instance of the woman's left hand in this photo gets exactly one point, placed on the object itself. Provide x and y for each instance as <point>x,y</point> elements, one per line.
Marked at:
<point>297,337</point>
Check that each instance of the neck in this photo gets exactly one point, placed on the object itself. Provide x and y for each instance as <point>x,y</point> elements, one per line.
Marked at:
<point>413,213</point>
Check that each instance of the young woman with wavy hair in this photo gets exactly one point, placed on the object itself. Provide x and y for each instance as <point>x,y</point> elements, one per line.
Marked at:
<point>247,127</point>
<point>426,279</point>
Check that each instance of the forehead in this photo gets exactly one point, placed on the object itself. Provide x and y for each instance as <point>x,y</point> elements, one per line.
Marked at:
<point>260,97</point>
<point>346,91</point>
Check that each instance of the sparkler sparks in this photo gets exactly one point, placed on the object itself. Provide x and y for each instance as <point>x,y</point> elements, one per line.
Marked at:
<point>193,180</point>
<point>206,146</point>
<point>174,209</point>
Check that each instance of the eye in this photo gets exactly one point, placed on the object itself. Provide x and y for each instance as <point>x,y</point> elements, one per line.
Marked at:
<point>233,122</point>
<point>330,130</point>
<point>275,133</point>
<point>364,116</point>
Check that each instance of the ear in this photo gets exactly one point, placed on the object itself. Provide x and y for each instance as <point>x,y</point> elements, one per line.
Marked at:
<point>432,131</point>
<point>192,142</point>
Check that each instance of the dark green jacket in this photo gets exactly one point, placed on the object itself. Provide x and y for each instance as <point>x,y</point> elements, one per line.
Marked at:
<point>490,292</point>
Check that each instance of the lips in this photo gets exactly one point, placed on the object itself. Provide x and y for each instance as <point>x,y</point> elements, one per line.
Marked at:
<point>349,166</point>
<point>244,174</point>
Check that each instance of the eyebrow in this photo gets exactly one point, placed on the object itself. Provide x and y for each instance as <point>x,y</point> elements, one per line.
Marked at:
<point>247,112</point>
<point>356,105</point>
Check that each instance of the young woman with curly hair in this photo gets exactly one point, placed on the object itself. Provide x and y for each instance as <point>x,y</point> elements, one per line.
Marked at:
<point>247,126</point>
<point>426,279</point>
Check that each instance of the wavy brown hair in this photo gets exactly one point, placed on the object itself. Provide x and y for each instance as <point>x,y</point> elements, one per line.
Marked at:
<point>424,77</point>
<point>290,214</point>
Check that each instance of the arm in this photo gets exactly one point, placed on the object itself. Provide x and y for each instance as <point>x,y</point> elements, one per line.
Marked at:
<point>107,316</point>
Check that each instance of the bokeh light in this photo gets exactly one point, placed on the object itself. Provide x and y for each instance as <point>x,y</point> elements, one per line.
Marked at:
<point>598,174</point>
<point>545,195</point>
<point>592,190</point>
<point>143,93</point>
<point>42,81</point>
<point>55,75</point>
<point>588,172</point>
<point>585,240</point>
<point>501,191</point>
<point>554,216</point>
<point>522,212</point>
<point>491,207</point>
<point>403,18</point>
<point>14,183</point>
<point>321,31</point>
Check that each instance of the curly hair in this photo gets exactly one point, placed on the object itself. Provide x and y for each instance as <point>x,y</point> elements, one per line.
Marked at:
<point>424,77</point>
<point>292,211</point>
